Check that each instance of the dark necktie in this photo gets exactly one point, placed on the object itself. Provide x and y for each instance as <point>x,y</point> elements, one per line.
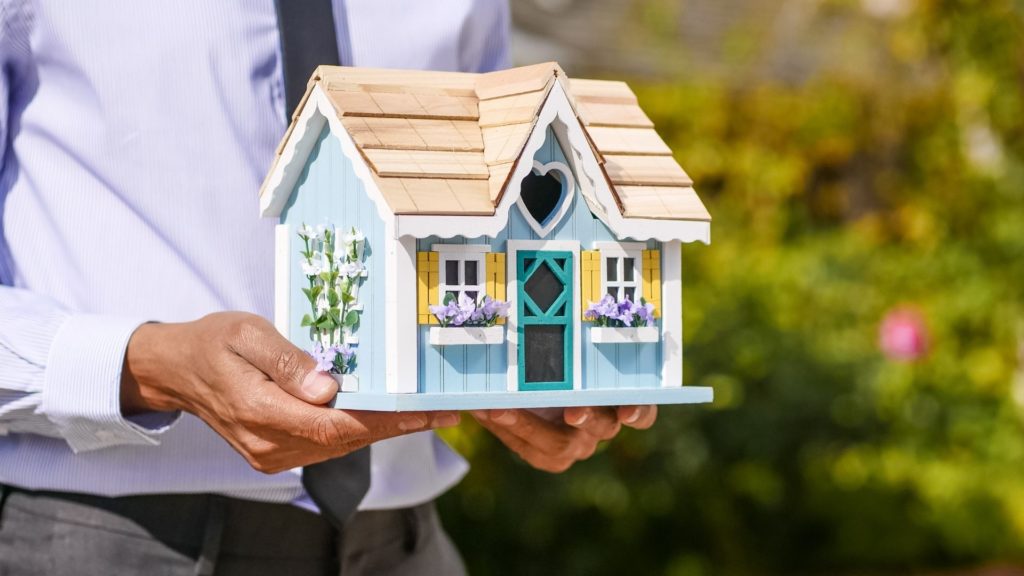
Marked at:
<point>308,40</point>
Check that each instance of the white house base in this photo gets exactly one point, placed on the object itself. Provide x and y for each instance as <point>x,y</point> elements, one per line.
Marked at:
<point>546,399</point>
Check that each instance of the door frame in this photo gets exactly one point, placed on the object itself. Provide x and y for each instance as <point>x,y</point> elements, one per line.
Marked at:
<point>514,246</point>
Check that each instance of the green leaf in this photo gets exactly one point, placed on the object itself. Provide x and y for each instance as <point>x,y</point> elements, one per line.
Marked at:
<point>307,320</point>
<point>351,319</point>
<point>448,298</point>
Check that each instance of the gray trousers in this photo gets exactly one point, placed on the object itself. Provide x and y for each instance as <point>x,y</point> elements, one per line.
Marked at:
<point>57,534</point>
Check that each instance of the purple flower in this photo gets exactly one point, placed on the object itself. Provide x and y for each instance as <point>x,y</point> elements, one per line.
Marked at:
<point>346,351</point>
<point>324,357</point>
<point>646,314</point>
<point>490,309</point>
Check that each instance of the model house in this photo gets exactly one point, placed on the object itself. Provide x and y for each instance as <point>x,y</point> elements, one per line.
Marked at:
<point>509,239</point>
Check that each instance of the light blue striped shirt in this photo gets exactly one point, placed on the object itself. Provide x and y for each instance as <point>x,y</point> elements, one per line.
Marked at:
<point>133,139</point>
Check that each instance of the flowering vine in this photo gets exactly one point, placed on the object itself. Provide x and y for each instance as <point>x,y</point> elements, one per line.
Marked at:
<point>334,270</point>
<point>607,312</point>
<point>465,311</point>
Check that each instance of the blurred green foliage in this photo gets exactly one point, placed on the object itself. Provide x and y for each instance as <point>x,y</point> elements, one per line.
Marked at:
<point>834,201</point>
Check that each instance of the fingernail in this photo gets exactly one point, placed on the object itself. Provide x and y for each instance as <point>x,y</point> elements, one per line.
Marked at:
<point>580,419</point>
<point>446,420</point>
<point>633,416</point>
<point>506,417</point>
<point>412,423</point>
<point>317,384</point>
<point>480,414</point>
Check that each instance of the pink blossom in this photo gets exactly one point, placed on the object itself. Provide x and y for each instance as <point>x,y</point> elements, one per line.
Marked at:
<point>903,335</point>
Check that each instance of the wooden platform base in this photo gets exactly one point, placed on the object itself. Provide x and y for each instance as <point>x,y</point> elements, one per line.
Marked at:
<point>546,399</point>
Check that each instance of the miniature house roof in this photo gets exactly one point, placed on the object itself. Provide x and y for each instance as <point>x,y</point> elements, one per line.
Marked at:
<point>444,143</point>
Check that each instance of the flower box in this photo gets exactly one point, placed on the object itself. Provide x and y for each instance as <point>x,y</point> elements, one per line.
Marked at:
<point>347,382</point>
<point>635,335</point>
<point>466,335</point>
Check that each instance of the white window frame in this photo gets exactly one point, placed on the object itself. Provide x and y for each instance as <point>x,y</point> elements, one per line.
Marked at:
<point>620,251</point>
<point>461,253</point>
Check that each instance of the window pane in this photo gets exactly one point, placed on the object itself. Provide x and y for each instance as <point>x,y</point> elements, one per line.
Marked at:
<point>451,272</point>
<point>543,287</point>
<point>627,269</point>
<point>611,264</point>
<point>544,353</point>
<point>470,278</point>
<point>613,291</point>
<point>472,294</point>
<point>450,293</point>
<point>630,292</point>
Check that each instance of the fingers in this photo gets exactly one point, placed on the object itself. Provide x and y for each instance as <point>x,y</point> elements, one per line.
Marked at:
<point>550,446</point>
<point>290,368</point>
<point>639,417</point>
<point>529,452</point>
<point>275,431</point>
<point>599,422</point>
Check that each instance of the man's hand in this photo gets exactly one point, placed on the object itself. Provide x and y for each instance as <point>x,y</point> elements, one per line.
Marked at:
<point>255,389</point>
<point>556,445</point>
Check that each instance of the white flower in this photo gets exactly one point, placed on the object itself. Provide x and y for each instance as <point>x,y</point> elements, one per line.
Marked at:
<point>313,266</point>
<point>354,236</point>
<point>320,230</point>
<point>306,231</point>
<point>351,269</point>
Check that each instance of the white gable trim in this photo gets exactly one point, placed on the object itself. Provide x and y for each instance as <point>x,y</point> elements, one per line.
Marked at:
<point>281,181</point>
<point>588,173</point>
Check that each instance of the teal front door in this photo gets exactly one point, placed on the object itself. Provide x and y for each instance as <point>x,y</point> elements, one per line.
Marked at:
<point>544,282</point>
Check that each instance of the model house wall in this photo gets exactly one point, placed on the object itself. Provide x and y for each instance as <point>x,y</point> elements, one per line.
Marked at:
<point>327,191</point>
<point>482,368</point>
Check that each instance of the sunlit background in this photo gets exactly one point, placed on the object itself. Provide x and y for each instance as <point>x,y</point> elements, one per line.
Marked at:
<point>860,312</point>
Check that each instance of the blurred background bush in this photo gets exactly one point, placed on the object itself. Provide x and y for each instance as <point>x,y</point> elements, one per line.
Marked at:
<point>860,312</point>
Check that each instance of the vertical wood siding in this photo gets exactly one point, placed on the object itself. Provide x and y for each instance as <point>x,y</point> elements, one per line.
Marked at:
<point>329,192</point>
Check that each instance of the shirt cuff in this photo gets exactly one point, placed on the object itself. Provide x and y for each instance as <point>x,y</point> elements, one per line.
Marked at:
<point>82,390</point>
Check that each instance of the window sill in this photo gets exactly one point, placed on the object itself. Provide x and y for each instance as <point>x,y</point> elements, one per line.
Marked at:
<point>641,334</point>
<point>466,335</point>
<point>347,382</point>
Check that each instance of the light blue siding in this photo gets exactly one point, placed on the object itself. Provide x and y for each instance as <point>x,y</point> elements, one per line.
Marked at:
<point>483,368</point>
<point>329,192</point>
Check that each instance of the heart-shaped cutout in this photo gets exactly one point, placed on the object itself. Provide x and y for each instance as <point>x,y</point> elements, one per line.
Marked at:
<point>541,194</point>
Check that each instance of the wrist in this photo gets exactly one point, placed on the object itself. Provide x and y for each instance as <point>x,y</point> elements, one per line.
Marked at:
<point>147,370</point>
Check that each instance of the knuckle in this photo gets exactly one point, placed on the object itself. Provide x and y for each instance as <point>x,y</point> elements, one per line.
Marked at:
<point>287,364</point>
<point>323,431</point>
<point>247,328</point>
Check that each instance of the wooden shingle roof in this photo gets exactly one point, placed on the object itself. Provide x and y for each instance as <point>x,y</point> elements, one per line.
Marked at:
<point>446,142</point>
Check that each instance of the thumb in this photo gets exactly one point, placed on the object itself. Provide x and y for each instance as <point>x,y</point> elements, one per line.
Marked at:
<point>290,368</point>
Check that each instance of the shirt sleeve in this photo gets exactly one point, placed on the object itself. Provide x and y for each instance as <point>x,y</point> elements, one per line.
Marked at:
<point>60,372</point>
<point>484,46</point>
<point>60,375</point>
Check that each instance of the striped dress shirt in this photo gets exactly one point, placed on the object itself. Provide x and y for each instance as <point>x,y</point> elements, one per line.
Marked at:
<point>133,139</point>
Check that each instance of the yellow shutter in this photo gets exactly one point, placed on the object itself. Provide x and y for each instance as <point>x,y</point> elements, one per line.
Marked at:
<point>652,279</point>
<point>590,277</point>
<point>495,277</point>
<point>427,281</point>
